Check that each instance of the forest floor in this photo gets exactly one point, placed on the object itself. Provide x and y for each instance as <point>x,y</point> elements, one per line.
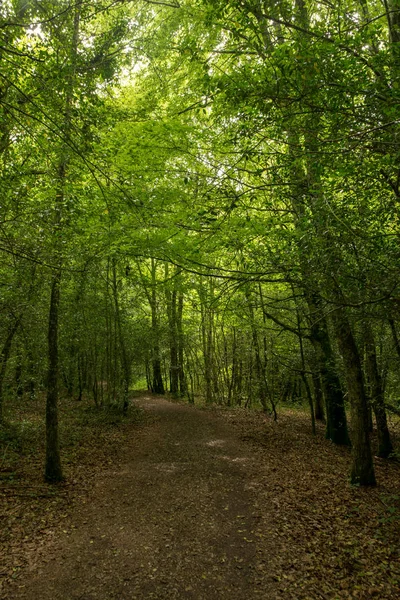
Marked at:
<point>200,504</point>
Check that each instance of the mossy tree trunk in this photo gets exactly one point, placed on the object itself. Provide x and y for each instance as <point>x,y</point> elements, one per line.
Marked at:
<point>362,471</point>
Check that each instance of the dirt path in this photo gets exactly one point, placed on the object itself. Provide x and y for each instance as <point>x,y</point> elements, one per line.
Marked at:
<point>179,520</point>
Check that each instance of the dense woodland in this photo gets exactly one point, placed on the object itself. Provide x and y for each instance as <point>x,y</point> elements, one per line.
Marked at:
<point>203,197</point>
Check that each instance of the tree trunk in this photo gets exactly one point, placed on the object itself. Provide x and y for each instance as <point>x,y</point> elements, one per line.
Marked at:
<point>174,362</point>
<point>158,384</point>
<point>18,374</point>
<point>31,383</point>
<point>126,372</point>
<point>260,366</point>
<point>181,345</point>
<point>362,472</point>
<point>395,336</point>
<point>385,447</point>
<point>53,471</point>
<point>304,375</point>
<point>80,376</point>
<point>318,397</point>
<point>336,421</point>
<point>171,298</point>
<point>306,178</point>
<point>4,356</point>
<point>207,341</point>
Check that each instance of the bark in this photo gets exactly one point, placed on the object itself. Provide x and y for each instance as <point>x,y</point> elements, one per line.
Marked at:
<point>4,356</point>
<point>126,371</point>
<point>385,447</point>
<point>362,471</point>
<point>31,384</point>
<point>318,397</point>
<point>336,421</point>
<point>18,374</point>
<point>109,372</point>
<point>148,375</point>
<point>393,19</point>
<point>181,346</point>
<point>171,299</point>
<point>158,384</point>
<point>208,358</point>
<point>268,390</point>
<point>304,376</point>
<point>174,361</point>
<point>53,471</point>
<point>395,336</point>
<point>308,179</point>
<point>259,363</point>
<point>232,379</point>
<point>207,340</point>
<point>80,377</point>
<point>94,368</point>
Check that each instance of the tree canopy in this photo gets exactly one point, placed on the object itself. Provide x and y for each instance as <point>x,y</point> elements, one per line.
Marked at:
<point>203,197</point>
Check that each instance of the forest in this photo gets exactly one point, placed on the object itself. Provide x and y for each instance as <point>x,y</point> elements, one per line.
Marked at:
<point>201,198</point>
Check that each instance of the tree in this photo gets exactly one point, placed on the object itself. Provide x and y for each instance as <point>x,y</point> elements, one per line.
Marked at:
<point>186,180</point>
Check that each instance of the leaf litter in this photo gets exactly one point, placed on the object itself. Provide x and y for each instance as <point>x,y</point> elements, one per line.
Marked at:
<point>161,511</point>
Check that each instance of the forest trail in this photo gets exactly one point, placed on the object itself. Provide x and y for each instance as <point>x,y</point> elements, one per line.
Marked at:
<point>179,519</point>
<point>205,505</point>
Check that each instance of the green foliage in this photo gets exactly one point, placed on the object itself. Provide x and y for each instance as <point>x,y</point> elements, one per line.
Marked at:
<point>240,158</point>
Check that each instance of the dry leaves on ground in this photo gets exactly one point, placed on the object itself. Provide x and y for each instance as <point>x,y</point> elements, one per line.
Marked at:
<point>337,536</point>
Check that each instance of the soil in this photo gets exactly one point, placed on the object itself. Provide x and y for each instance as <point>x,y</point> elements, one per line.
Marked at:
<point>214,504</point>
